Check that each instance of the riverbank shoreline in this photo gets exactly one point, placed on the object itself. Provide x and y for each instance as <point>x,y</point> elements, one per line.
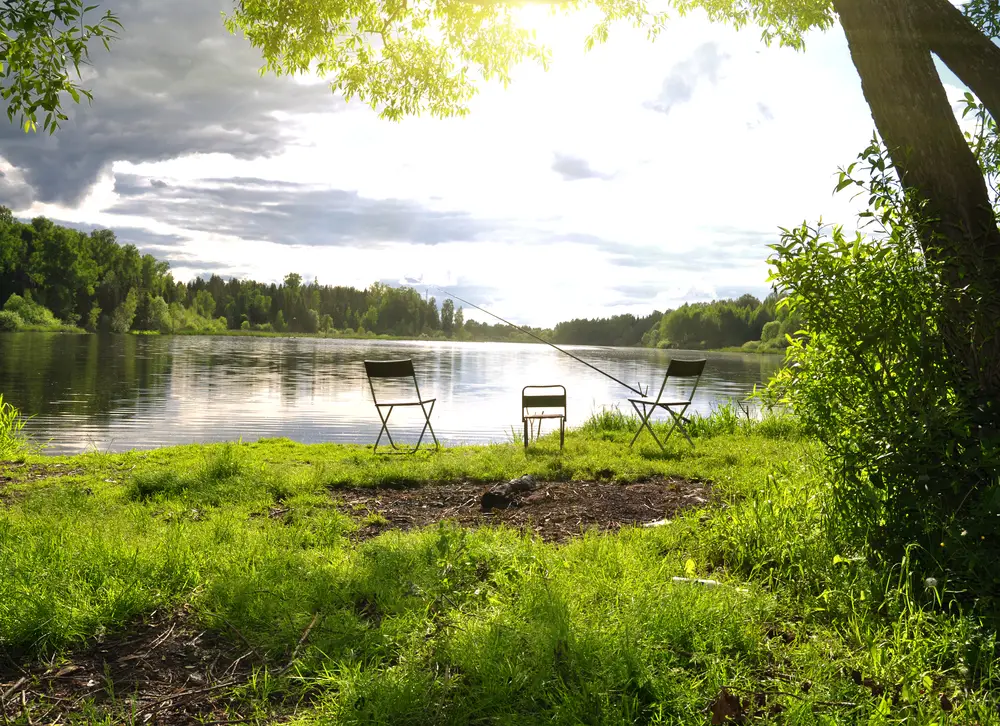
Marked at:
<point>282,582</point>
<point>72,330</point>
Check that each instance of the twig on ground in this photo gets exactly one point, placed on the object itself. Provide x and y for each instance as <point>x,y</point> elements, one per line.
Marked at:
<point>242,637</point>
<point>302,640</point>
<point>13,689</point>
<point>185,694</point>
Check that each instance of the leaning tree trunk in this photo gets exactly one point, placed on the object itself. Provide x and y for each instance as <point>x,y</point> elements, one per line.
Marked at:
<point>917,124</point>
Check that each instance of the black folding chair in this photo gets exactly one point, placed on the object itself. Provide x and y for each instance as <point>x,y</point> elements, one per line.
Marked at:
<point>398,369</point>
<point>676,369</point>
<point>532,402</point>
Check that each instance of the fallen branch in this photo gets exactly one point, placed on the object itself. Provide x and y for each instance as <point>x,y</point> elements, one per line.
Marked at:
<point>13,689</point>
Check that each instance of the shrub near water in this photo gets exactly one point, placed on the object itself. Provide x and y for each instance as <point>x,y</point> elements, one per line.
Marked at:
<point>872,378</point>
<point>30,312</point>
<point>10,321</point>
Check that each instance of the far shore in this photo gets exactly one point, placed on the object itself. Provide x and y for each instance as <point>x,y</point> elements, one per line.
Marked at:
<point>72,330</point>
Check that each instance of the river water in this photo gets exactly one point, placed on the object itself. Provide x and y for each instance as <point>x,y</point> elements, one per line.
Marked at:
<point>115,393</point>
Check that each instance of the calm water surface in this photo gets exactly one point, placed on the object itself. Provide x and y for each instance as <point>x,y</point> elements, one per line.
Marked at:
<point>122,392</point>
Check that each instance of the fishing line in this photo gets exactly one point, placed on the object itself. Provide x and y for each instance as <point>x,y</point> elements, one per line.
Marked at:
<point>543,340</point>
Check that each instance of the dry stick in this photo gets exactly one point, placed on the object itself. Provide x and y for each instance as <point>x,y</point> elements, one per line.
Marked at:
<point>10,691</point>
<point>184,694</point>
<point>302,640</point>
<point>243,637</point>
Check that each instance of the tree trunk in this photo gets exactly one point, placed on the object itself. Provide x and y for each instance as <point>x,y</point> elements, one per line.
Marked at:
<point>918,125</point>
<point>967,52</point>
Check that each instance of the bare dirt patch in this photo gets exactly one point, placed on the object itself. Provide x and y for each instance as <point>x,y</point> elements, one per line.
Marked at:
<point>555,511</point>
<point>160,671</point>
<point>21,473</point>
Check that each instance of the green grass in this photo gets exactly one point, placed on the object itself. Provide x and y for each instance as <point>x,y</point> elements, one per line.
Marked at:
<point>14,444</point>
<point>453,626</point>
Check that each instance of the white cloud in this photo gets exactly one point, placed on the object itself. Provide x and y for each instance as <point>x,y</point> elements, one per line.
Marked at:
<point>668,182</point>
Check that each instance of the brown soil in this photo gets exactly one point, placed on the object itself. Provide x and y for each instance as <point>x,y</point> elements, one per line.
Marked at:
<point>160,671</point>
<point>11,473</point>
<point>22,472</point>
<point>555,511</point>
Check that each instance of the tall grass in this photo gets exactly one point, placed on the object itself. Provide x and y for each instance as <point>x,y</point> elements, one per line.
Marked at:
<point>724,419</point>
<point>14,444</point>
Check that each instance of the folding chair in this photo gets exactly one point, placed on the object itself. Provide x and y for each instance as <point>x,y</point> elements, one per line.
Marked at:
<point>398,369</point>
<point>676,369</point>
<point>534,401</point>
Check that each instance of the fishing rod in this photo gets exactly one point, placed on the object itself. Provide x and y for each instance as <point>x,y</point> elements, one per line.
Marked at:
<point>543,340</point>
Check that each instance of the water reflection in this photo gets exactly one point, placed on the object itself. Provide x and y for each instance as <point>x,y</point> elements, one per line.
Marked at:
<point>124,392</point>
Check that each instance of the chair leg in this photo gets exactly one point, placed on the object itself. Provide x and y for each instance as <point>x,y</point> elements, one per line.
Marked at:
<point>562,432</point>
<point>644,415</point>
<point>525,434</point>
<point>678,423</point>
<point>384,429</point>
<point>427,425</point>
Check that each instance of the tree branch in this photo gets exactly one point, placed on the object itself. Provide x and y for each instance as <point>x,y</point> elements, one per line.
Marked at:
<point>970,55</point>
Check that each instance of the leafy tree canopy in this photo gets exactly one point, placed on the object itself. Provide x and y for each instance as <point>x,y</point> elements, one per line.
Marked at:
<point>43,43</point>
<point>409,56</point>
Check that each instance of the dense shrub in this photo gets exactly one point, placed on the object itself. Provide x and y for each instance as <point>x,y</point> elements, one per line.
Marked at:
<point>873,380</point>
<point>10,321</point>
<point>30,312</point>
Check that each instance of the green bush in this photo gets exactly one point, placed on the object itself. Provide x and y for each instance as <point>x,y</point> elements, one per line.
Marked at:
<point>10,321</point>
<point>30,312</point>
<point>770,331</point>
<point>873,380</point>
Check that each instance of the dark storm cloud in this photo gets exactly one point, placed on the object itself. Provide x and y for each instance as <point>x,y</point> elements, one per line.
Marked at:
<point>294,214</point>
<point>684,77</point>
<point>573,168</point>
<point>14,193</point>
<point>174,83</point>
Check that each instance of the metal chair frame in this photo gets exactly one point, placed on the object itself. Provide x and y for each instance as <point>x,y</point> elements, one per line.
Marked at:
<point>535,401</point>
<point>398,369</point>
<point>676,409</point>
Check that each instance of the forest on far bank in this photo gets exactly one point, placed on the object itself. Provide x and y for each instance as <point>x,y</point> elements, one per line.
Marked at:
<point>54,277</point>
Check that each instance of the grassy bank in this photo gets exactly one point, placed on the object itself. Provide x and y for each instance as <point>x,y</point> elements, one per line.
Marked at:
<point>251,549</point>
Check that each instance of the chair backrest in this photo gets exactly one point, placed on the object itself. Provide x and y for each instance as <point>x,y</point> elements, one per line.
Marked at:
<point>683,369</point>
<point>542,400</point>
<point>390,369</point>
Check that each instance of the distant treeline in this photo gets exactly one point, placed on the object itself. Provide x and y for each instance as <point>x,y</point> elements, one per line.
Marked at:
<point>745,322</point>
<point>55,277</point>
<point>92,281</point>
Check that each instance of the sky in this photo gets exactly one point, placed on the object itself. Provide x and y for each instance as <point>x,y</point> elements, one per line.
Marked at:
<point>635,177</point>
